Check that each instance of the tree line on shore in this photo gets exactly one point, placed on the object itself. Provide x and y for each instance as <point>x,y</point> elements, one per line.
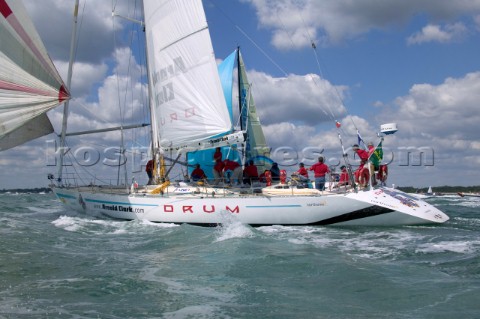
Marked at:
<point>441,189</point>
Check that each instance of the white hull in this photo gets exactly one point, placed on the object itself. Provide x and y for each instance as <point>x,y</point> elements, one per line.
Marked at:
<point>382,206</point>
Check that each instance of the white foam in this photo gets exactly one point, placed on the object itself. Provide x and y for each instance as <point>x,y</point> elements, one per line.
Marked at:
<point>108,226</point>
<point>200,311</point>
<point>232,228</point>
<point>377,244</point>
<point>159,225</point>
<point>67,223</point>
<point>461,247</point>
<point>43,210</point>
<point>75,224</point>
<point>470,203</point>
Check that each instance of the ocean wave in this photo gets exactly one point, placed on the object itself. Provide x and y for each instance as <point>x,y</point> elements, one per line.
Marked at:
<point>463,247</point>
<point>106,226</point>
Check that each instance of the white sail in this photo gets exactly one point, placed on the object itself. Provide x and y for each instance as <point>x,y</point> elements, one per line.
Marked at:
<point>187,96</point>
<point>37,127</point>
<point>29,83</point>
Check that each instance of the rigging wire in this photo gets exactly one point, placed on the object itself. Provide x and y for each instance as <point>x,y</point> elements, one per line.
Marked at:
<point>315,53</point>
<point>330,112</point>
<point>142,62</point>
<point>249,38</point>
<point>313,45</point>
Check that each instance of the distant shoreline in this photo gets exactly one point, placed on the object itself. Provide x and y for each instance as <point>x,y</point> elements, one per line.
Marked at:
<point>442,189</point>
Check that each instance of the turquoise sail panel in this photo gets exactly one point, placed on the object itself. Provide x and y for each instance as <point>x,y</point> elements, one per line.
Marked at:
<point>225,70</point>
<point>205,157</point>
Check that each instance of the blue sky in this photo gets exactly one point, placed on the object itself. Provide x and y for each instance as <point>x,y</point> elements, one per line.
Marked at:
<point>410,62</point>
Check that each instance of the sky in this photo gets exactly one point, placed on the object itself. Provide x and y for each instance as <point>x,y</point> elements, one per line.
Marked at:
<point>311,63</point>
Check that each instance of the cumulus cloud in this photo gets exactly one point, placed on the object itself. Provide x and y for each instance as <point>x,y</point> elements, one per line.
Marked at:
<point>117,88</point>
<point>306,99</point>
<point>448,110</point>
<point>435,33</point>
<point>442,122</point>
<point>295,24</point>
<point>436,123</point>
<point>92,20</point>
<point>85,74</point>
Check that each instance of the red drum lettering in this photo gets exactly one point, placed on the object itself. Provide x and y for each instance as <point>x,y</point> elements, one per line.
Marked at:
<point>212,209</point>
<point>187,209</point>
<point>235,210</point>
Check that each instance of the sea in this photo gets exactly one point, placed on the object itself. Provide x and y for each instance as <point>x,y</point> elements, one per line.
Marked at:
<point>56,263</point>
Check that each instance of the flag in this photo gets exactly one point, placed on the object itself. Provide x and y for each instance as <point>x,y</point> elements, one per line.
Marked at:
<point>361,143</point>
<point>377,155</point>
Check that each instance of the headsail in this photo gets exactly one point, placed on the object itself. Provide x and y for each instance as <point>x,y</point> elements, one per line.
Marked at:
<point>187,96</point>
<point>256,145</point>
<point>225,70</point>
<point>29,82</point>
<point>205,157</point>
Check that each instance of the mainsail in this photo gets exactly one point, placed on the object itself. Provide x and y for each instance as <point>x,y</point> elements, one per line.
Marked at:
<point>29,82</point>
<point>187,96</point>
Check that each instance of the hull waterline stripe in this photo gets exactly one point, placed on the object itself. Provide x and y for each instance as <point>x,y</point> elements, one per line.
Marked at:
<point>274,206</point>
<point>358,214</point>
<point>117,203</point>
<point>65,196</point>
<point>105,202</point>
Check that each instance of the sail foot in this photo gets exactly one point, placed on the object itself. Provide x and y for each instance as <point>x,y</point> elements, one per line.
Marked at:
<point>226,140</point>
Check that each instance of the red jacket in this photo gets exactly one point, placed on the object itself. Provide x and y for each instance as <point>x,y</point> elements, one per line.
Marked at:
<point>362,154</point>
<point>198,173</point>
<point>344,176</point>
<point>319,169</point>
<point>251,171</point>
<point>219,166</point>
<point>230,165</point>
<point>217,156</point>
<point>149,166</point>
<point>302,171</point>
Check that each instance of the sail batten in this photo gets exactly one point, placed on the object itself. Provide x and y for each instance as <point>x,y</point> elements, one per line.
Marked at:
<point>185,37</point>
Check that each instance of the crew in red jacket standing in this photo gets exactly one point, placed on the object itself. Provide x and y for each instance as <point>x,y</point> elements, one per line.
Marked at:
<point>362,175</point>
<point>236,170</point>
<point>320,170</point>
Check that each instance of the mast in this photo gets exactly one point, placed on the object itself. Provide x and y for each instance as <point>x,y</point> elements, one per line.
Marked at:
<point>240,108</point>
<point>240,102</point>
<point>69,81</point>
<point>153,132</point>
